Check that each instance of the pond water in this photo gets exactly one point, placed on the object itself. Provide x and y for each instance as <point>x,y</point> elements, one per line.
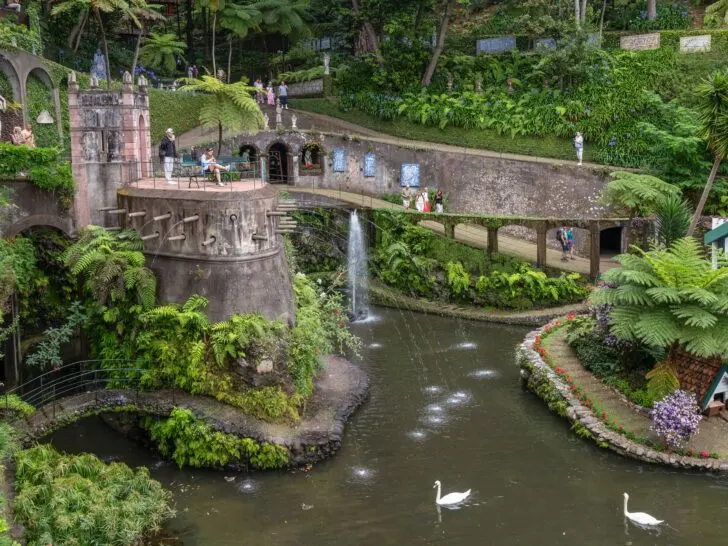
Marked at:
<point>445,404</point>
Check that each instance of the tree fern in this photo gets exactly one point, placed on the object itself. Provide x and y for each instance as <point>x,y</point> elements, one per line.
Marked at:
<point>637,194</point>
<point>662,380</point>
<point>669,297</point>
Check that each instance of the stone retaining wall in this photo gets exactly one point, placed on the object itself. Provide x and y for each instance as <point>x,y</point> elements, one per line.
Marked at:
<point>542,380</point>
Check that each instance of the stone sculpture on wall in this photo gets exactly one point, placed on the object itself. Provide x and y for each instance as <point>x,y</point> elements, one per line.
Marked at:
<point>98,68</point>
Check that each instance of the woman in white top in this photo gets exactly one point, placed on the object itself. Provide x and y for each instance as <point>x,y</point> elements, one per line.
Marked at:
<point>211,166</point>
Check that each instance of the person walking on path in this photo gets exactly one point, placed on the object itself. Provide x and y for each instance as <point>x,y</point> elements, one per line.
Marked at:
<point>561,237</point>
<point>426,195</point>
<point>570,242</point>
<point>271,96</point>
<point>167,154</point>
<point>579,146</point>
<point>406,197</point>
<point>258,91</point>
<point>438,201</point>
<point>283,94</point>
<point>420,201</point>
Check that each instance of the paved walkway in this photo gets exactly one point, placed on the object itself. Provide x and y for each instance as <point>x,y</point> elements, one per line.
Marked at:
<point>471,235</point>
<point>712,433</point>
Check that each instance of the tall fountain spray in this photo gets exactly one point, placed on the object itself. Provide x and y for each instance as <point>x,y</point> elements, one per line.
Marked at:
<point>357,268</point>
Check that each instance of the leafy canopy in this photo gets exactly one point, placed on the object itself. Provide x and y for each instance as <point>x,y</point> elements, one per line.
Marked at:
<point>161,51</point>
<point>638,194</point>
<point>669,297</point>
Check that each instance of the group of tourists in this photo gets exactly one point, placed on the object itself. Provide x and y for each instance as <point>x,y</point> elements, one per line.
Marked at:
<point>168,155</point>
<point>268,94</point>
<point>565,237</point>
<point>23,137</point>
<point>422,199</point>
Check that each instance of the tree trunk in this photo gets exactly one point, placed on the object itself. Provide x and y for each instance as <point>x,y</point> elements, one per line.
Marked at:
<point>704,197</point>
<point>219,138</point>
<point>427,78</point>
<point>136,53</point>
<point>601,19</point>
<point>577,16</point>
<point>189,30</point>
<point>205,36</point>
<point>651,10</point>
<point>583,11</point>
<point>97,14</point>
<point>230,55</point>
<point>369,41</point>
<point>214,66</point>
<point>77,32</point>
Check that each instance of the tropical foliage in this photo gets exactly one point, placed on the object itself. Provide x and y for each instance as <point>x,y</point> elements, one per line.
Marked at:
<point>77,499</point>
<point>669,297</point>
<point>44,166</point>
<point>228,106</point>
<point>162,51</point>
<point>637,194</point>
<point>191,442</point>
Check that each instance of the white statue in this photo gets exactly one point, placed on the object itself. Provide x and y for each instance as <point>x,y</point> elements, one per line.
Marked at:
<point>294,120</point>
<point>279,114</point>
<point>327,59</point>
<point>98,68</point>
<point>266,120</point>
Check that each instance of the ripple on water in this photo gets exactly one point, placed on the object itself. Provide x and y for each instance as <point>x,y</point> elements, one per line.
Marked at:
<point>369,319</point>
<point>457,399</point>
<point>433,389</point>
<point>466,346</point>
<point>362,474</point>
<point>374,346</point>
<point>417,435</point>
<point>248,486</point>
<point>483,374</point>
<point>434,420</point>
<point>434,408</point>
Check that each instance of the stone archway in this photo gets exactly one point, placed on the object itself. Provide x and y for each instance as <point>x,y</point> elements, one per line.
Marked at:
<point>610,241</point>
<point>11,92</point>
<point>249,163</point>
<point>279,168</point>
<point>47,135</point>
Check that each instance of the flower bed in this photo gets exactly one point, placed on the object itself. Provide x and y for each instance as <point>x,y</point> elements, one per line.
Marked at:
<point>542,375</point>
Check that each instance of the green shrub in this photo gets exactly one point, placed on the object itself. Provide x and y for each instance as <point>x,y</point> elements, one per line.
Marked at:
<point>458,279</point>
<point>11,406</point>
<point>40,99</point>
<point>43,165</point>
<point>180,111</point>
<point>77,499</point>
<point>191,442</point>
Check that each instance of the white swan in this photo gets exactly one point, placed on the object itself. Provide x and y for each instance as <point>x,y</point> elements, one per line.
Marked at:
<point>450,498</point>
<point>640,518</point>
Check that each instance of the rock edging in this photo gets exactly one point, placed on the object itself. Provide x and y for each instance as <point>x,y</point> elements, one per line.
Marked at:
<point>340,389</point>
<point>538,377</point>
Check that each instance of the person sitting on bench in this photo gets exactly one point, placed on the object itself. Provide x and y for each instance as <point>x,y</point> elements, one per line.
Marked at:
<point>210,165</point>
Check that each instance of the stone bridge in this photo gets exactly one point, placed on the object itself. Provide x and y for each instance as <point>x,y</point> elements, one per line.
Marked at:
<point>337,393</point>
<point>32,207</point>
<point>492,223</point>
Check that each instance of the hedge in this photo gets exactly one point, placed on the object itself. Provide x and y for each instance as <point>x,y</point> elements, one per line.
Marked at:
<point>180,111</point>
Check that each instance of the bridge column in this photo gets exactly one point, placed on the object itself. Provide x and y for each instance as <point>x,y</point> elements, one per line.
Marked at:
<point>594,250</point>
<point>492,240</point>
<point>449,230</point>
<point>541,244</point>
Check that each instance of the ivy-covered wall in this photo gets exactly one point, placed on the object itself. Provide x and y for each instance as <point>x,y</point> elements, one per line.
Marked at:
<point>39,98</point>
<point>11,117</point>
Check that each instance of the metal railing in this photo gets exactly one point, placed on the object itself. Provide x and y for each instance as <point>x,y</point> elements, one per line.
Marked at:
<point>190,176</point>
<point>84,376</point>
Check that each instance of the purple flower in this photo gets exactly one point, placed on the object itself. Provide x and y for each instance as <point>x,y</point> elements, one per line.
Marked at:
<point>675,418</point>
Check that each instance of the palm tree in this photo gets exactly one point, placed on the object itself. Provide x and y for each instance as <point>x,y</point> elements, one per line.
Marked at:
<point>230,105</point>
<point>96,8</point>
<point>712,110</point>
<point>284,16</point>
<point>161,51</point>
<point>145,15</point>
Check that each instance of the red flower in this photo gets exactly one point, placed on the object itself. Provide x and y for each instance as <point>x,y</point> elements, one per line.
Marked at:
<point>704,454</point>
<point>604,415</point>
<point>571,316</point>
<point>568,379</point>
<point>573,387</point>
<point>621,428</point>
<point>690,452</point>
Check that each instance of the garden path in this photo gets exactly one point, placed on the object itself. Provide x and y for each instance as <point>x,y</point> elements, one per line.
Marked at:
<point>712,433</point>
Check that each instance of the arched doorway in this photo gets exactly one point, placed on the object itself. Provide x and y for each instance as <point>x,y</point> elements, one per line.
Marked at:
<point>278,163</point>
<point>610,241</point>
<point>145,167</point>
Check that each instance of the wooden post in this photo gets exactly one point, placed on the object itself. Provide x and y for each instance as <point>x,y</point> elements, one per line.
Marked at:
<point>594,251</point>
<point>492,240</point>
<point>541,244</point>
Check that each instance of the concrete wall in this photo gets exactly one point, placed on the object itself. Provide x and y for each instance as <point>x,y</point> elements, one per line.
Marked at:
<point>31,207</point>
<point>473,183</point>
<point>313,88</point>
<point>235,272</point>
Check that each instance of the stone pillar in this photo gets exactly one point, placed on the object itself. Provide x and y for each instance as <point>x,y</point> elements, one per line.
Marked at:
<point>594,250</point>
<point>449,230</point>
<point>264,168</point>
<point>541,244</point>
<point>492,240</point>
<point>81,210</point>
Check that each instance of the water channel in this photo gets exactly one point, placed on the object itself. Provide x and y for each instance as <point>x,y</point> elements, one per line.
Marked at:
<point>445,404</point>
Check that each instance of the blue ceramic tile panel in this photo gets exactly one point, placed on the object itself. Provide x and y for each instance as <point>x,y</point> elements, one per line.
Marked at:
<point>339,160</point>
<point>496,45</point>
<point>370,165</point>
<point>410,175</point>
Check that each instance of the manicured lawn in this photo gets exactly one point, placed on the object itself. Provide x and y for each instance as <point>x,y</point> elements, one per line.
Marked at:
<point>559,148</point>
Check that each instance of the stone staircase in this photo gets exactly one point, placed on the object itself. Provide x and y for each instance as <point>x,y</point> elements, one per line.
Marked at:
<point>286,224</point>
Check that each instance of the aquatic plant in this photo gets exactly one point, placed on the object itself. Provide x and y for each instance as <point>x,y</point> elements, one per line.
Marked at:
<point>675,418</point>
<point>77,499</point>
